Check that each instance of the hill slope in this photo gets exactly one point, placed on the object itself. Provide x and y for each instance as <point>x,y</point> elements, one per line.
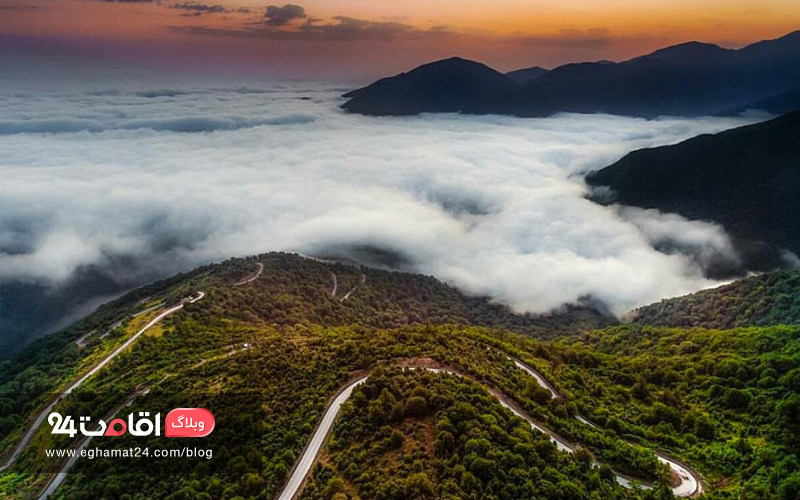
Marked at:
<point>770,299</point>
<point>290,291</point>
<point>746,179</point>
<point>271,340</point>
<point>777,105</point>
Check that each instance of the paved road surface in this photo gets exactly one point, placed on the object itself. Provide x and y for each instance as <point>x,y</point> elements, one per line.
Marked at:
<point>689,485</point>
<point>253,277</point>
<point>310,453</point>
<point>61,476</point>
<point>350,292</point>
<point>46,410</point>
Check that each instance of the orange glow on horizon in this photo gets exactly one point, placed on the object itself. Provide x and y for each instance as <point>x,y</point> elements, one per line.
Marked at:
<point>503,33</point>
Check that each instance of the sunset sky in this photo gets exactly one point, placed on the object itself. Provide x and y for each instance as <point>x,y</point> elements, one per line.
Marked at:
<point>365,38</point>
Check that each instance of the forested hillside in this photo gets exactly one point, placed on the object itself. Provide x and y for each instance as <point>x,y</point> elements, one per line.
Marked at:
<point>725,401</point>
<point>290,291</point>
<point>769,299</point>
<point>422,435</point>
<point>267,348</point>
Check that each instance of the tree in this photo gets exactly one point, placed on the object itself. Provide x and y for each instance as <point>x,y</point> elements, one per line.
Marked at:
<point>789,488</point>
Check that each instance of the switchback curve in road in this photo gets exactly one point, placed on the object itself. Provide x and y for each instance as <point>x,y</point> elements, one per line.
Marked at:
<point>689,484</point>
<point>310,453</point>
<point>350,292</point>
<point>253,277</point>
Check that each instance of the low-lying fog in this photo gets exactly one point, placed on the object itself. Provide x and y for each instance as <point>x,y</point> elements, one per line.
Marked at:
<point>142,184</point>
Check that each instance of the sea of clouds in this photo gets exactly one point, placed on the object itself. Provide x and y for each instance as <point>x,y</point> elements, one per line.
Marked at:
<point>147,182</point>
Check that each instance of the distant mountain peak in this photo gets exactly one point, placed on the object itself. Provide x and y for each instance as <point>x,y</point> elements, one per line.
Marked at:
<point>787,44</point>
<point>793,36</point>
<point>447,85</point>
<point>525,75</point>
<point>457,58</point>
<point>689,53</point>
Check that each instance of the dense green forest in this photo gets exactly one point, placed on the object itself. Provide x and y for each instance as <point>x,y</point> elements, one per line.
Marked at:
<point>415,435</point>
<point>769,299</point>
<point>725,401</point>
<point>267,356</point>
<point>266,400</point>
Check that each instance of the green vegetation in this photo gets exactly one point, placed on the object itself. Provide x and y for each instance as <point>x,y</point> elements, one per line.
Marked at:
<point>267,357</point>
<point>266,400</point>
<point>417,435</point>
<point>41,370</point>
<point>769,299</point>
<point>726,402</point>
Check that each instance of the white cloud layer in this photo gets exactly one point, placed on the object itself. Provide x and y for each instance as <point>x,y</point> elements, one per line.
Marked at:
<point>493,205</point>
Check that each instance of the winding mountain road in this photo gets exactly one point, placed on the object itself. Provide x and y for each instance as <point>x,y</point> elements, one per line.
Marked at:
<point>543,383</point>
<point>59,477</point>
<point>302,467</point>
<point>81,342</point>
<point>350,292</point>
<point>335,284</point>
<point>99,366</point>
<point>253,277</point>
<point>689,485</point>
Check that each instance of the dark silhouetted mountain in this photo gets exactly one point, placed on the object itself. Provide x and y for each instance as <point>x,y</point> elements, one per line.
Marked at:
<point>526,75</point>
<point>690,79</point>
<point>777,48</point>
<point>776,105</point>
<point>443,86</point>
<point>746,179</point>
<point>688,53</point>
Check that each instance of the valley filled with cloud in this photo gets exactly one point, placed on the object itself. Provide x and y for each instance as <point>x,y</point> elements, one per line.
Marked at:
<point>135,184</point>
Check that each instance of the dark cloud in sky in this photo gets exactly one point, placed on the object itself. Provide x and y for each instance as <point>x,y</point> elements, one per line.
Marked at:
<point>281,24</point>
<point>346,28</point>
<point>199,8</point>
<point>19,7</point>
<point>341,29</point>
<point>281,16</point>
<point>573,38</point>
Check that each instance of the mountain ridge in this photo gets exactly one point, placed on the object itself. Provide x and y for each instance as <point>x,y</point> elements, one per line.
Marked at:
<point>688,79</point>
<point>764,300</point>
<point>526,75</point>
